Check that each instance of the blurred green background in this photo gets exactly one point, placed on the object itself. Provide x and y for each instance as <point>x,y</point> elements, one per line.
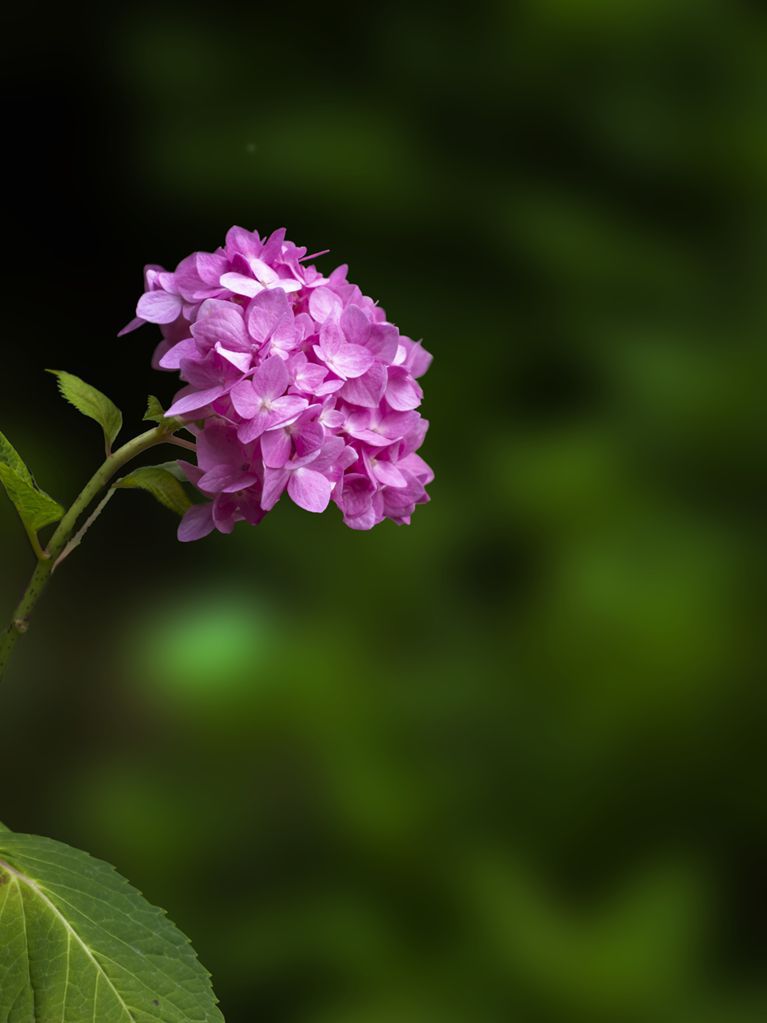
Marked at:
<point>507,763</point>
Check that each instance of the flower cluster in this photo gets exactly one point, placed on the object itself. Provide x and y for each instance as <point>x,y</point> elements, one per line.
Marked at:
<point>294,382</point>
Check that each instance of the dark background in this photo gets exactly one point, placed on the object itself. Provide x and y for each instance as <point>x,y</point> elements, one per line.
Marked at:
<point>507,763</point>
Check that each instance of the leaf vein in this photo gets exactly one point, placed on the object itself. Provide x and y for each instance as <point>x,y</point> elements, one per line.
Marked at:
<point>26,942</point>
<point>38,891</point>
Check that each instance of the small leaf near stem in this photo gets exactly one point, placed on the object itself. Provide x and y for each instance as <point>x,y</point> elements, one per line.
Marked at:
<point>35,508</point>
<point>155,413</point>
<point>68,525</point>
<point>10,456</point>
<point>160,483</point>
<point>92,403</point>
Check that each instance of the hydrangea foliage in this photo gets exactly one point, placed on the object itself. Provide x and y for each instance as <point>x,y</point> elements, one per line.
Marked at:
<point>294,383</point>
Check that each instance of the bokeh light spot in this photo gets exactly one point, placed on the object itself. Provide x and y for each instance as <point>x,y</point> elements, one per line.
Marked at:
<point>209,646</point>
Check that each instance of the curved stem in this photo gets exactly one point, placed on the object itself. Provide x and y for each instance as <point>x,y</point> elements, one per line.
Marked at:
<point>45,565</point>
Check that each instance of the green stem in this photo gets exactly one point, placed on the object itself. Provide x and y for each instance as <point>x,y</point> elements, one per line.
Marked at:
<point>48,558</point>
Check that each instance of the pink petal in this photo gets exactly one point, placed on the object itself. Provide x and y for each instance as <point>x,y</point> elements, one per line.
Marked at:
<point>151,272</point>
<point>170,281</point>
<point>158,307</point>
<point>186,349</point>
<point>271,379</point>
<point>241,360</point>
<point>355,325</point>
<point>358,419</point>
<point>365,521</point>
<point>338,276</point>
<point>368,389</point>
<point>287,408</point>
<point>274,484</point>
<point>192,472</point>
<point>194,401</point>
<point>328,387</point>
<point>310,490</point>
<point>331,339</point>
<point>309,438</point>
<point>226,479</point>
<point>387,473</point>
<point>285,336</point>
<point>275,448</point>
<point>287,284</point>
<point>309,376</point>
<point>273,245</point>
<point>210,266</point>
<point>185,280</point>
<point>383,342</point>
<point>413,356</point>
<point>305,326</point>
<point>240,241</point>
<point>356,495</point>
<point>265,312</point>
<point>351,361</point>
<point>402,392</point>
<point>202,373</point>
<point>359,425</point>
<point>254,427</point>
<point>332,418</point>
<point>134,324</point>
<point>189,310</point>
<point>217,443</point>
<point>249,505</point>
<point>221,321</point>
<point>245,400</point>
<point>370,437</point>
<point>419,360</point>
<point>196,523</point>
<point>420,469</point>
<point>240,284</point>
<point>264,273</point>
<point>331,453</point>
<point>324,304</point>
<point>395,425</point>
<point>225,512</point>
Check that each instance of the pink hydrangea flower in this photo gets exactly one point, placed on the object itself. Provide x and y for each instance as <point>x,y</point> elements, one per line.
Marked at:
<point>296,383</point>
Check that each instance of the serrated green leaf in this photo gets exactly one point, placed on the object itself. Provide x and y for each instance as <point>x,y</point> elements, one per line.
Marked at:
<point>36,509</point>
<point>91,403</point>
<point>155,413</point>
<point>10,456</point>
<point>79,944</point>
<point>163,486</point>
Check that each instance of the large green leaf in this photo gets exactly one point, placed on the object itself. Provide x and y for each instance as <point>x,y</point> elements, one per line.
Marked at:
<point>161,484</point>
<point>36,509</point>
<point>91,403</point>
<point>78,944</point>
